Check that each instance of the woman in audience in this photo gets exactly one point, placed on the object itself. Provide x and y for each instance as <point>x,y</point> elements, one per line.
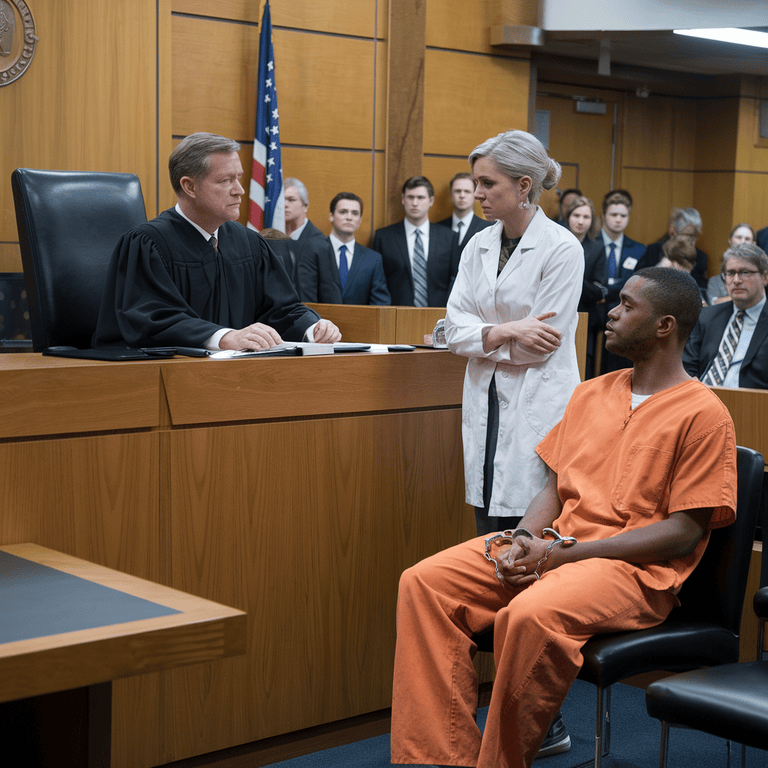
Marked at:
<point>716,293</point>
<point>680,253</point>
<point>582,220</point>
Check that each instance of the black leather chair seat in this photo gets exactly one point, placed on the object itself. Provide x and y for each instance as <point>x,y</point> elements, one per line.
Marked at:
<point>615,657</point>
<point>729,701</point>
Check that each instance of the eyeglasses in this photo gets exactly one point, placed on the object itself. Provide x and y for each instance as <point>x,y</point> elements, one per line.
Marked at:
<point>729,274</point>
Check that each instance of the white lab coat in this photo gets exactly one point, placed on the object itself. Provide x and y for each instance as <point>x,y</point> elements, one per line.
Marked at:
<point>543,274</point>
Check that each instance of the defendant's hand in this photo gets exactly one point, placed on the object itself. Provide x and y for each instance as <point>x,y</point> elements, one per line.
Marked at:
<point>256,336</point>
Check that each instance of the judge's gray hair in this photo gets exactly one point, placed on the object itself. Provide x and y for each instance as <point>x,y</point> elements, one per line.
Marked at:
<point>299,187</point>
<point>519,154</point>
<point>190,156</point>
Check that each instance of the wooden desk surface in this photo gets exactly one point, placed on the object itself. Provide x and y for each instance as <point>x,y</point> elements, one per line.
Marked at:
<point>199,630</point>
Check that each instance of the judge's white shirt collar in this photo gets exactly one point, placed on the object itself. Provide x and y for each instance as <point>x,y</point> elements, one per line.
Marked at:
<point>206,235</point>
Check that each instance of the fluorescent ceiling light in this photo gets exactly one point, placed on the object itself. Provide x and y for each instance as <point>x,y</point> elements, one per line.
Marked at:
<point>729,35</point>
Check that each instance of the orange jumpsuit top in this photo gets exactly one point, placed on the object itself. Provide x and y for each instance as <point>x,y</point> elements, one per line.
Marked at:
<point>633,467</point>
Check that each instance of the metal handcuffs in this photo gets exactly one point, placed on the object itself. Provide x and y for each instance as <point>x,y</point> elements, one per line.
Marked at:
<point>499,540</point>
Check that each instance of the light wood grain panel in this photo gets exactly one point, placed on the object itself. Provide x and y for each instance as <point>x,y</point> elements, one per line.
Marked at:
<point>582,141</point>
<point>326,173</point>
<point>713,198</point>
<point>476,19</point>
<point>751,153</point>
<point>469,98</point>
<point>334,16</point>
<point>413,323</point>
<point>659,132</point>
<point>215,67</point>
<point>87,101</point>
<point>750,199</point>
<point>316,561</point>
<point>655,193</point>
<point>287,387</point>
<point>10,257</point>
<point>371,325</point>
<point>75,398</point>
<point>749,411</point>
<point>716,134</point>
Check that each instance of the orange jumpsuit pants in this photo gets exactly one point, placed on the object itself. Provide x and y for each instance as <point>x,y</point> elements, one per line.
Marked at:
<point>539,630</point>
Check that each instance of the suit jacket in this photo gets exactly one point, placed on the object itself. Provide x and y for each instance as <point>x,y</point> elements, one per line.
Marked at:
<point>475,226</point>
<point>319,279</point>
<point>308,232</point>
<point>442,263</point>
<point>288,251</point>
<point>595,270</point>
<point>762,237</point>
<point>705,339</point>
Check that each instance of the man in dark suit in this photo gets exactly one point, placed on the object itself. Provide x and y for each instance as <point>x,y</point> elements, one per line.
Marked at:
<point>420,259</point>
<point>729,345</point>
<point>762,238</point>
<point>464,222</point>
<point>297,225</point>
<point>621,255</point>
<point>342,271</point>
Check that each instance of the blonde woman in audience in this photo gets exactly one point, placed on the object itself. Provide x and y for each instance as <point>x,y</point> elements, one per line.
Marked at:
<point>582,220</point>
<point>716,290</point>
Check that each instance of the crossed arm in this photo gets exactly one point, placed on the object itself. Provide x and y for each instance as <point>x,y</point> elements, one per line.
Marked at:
<point>674,537</point>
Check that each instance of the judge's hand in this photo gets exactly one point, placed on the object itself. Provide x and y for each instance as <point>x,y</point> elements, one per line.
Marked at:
<point>256,336</point>
<point>326,332</point>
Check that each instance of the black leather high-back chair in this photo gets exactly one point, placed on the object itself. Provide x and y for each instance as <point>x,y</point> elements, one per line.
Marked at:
<point>704,630</point>
<point>69,223</point>
<point>729,701</point>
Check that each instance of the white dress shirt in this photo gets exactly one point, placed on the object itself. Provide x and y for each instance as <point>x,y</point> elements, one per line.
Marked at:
<point>466,220</point>
<point>618,242</point>
<point>336,243</point>
<point>296,234</point>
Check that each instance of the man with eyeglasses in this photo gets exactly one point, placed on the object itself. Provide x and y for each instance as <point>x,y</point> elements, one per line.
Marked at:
<point>729,345</point>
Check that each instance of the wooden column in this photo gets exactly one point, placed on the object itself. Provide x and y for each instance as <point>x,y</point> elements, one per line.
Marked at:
<point>405,99</point>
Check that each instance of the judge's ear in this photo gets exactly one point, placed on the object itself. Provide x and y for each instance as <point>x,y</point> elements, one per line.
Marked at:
<point>187,184</point>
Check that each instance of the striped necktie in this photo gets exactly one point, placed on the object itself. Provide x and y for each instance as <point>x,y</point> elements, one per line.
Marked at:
<point>716,374</point>
<point>419,273</point>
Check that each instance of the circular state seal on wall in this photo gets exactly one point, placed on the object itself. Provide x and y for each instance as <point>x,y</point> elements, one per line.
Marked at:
<point>17,40</point>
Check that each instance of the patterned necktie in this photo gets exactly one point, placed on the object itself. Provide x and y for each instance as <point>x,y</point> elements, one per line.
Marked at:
<point>715,376</point>
<point>508,246</point>
<point>612,261</point>
<point>459,227</point>
<point>343,266</point>
<point>215,243</point>
<point>419,273</point>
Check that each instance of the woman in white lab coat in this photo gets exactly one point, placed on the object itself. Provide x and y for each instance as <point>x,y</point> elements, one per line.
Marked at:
<point>516,321</point>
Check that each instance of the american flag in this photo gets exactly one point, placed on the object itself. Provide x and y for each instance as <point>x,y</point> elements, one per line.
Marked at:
<point>267,206</point>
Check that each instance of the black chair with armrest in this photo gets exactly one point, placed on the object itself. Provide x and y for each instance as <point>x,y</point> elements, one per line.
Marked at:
<point>729,701</point>
<point>702,632</point>
<point>69,222</point>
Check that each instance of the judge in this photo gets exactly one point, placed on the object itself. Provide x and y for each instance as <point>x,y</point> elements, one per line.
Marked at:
<point>194,276</point>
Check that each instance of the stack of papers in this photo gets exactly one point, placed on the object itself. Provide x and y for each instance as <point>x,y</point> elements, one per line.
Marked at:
<point>289,348</point>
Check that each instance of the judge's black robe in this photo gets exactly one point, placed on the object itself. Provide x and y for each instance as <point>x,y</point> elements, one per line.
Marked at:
<point>166,286</point>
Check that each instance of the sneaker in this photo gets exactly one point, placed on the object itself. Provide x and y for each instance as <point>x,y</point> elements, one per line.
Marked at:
<point>557,739</point>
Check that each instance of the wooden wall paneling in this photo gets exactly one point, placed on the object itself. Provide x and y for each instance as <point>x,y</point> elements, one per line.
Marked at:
<point>414,323</point>
<point>214,67</point>
<point>10,255</point>
<point>165,197</point>
<point>315,564</point>
<point>465,26</point>
<point>580,142</point>
<point>655,193</point>
<point>750,194</point>
<point>325,172</point>
<point>750,199</point>
<point>469,98</point>
<point>406,36</point>
<point>87,101</point>
<point>333,16</point>
<point>713,199</point>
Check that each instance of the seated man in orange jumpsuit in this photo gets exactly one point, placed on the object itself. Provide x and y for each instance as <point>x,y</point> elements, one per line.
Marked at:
<point>642,466</point>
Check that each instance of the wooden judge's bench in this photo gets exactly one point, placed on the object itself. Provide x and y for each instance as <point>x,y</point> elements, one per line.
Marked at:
<point>296,489</point>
